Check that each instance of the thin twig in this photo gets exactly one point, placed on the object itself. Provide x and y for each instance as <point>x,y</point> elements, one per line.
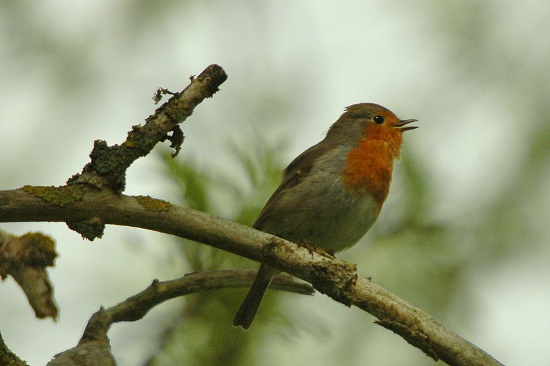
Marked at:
<point>137,306</point>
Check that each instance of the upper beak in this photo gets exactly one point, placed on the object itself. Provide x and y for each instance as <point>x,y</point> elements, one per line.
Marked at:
<point>404,122</point>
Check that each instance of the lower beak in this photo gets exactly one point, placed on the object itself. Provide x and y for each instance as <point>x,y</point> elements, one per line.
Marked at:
<point>404,122</point>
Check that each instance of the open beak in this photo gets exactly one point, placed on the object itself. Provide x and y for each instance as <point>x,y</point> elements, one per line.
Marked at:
<point>404,122</point>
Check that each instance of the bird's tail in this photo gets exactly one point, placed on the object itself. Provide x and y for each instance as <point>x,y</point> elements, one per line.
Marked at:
<point>246,313</point>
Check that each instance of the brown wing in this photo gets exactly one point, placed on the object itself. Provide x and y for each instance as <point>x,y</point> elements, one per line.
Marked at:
<point>292,176</point>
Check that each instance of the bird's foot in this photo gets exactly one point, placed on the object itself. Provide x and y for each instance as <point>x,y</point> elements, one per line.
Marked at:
<point>312,248</point>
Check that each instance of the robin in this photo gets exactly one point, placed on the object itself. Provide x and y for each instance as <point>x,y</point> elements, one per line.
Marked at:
<point>332,193</point>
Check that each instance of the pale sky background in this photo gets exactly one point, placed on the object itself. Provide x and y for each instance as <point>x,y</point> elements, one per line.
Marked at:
<point>73,72</point>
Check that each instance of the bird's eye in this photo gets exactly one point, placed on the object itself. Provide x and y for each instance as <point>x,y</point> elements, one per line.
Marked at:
<point>378,119</point>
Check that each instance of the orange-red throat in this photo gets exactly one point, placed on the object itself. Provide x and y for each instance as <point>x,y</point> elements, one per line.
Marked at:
<point>370,164</point>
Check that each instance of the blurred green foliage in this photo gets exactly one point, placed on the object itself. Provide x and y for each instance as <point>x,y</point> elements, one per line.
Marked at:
<point>204,335</point>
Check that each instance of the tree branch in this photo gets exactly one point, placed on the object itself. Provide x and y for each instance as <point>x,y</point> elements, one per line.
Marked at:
<point>7,357</point>
<point>109,163</point>
<point>25,258</point>
<point>331,276</point>
<point>137,306</point>
<point>94,343</point>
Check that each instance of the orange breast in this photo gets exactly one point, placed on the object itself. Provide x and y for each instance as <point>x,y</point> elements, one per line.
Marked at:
<point>370,165</point>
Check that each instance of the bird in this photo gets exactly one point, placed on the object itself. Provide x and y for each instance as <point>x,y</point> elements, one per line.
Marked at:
<point>332,193</point>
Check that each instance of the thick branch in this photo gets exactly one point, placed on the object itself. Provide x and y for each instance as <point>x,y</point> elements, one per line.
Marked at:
<point>334,277</point>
